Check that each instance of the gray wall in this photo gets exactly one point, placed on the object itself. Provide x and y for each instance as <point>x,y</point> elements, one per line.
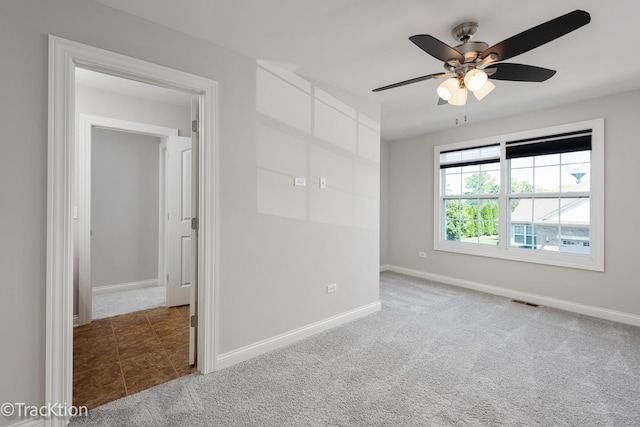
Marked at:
<point>97,102</point>
<point>384,203</point>
<point>411,209</point>
<point>124,207</point>
<point>272,270</point>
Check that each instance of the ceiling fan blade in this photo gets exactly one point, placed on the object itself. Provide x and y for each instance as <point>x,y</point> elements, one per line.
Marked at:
<point>539,35</point>
<point>414,80</point>
<point>436,48</point>
<point>442,101</point>
<point>519,72</point>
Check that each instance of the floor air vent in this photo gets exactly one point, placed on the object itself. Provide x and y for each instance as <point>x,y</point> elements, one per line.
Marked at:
<point>517,301</point>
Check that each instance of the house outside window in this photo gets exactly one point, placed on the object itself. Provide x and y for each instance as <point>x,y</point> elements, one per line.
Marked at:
<point>532,196</point>
<point>522,235</point>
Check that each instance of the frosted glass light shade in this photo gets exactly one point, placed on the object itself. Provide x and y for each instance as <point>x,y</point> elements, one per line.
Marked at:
<point>484,91</point>
<point>448,88</point>
<point>475,79</point>
<point>459,97</point>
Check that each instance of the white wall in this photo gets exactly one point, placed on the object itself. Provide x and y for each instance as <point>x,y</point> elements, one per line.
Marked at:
<point>272,269</point>
<point>411,210</point>
<point>124,207</point>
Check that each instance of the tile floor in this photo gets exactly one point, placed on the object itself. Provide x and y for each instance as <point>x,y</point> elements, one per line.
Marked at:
<point>125,354</point>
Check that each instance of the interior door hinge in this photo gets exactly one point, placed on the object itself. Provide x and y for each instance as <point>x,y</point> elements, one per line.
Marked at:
<point>194,223</point>
<point>194,321</point>
<point>194,126</point>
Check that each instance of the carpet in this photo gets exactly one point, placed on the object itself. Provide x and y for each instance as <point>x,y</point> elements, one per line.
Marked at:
<point>116,303</point>
<point>435,355</point>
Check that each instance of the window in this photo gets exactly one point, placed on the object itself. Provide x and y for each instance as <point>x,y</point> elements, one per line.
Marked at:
<point>523,235</point>
<point>533,196</point>
<point>470,185</point>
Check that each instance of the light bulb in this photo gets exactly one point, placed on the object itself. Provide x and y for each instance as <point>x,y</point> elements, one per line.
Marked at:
<point>484,91</point>
<point>475,79</point>
<point>448,88</point>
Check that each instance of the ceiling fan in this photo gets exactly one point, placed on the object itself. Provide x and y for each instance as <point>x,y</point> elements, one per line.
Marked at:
<point>471,64</point>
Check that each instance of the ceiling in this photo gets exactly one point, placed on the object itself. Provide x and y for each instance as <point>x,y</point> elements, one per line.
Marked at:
<point>358,45</point>
<point>128,87</point>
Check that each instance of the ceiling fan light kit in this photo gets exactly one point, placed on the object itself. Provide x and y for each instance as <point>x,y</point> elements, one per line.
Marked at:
<point>471,64</point>
<point>459,97</point>
<point>475,79</point>
<point>484,90</point>
<point>448,88</point>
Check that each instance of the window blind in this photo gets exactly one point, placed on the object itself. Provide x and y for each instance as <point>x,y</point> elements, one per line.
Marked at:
<point>551,144</point>
<point>470,156</point>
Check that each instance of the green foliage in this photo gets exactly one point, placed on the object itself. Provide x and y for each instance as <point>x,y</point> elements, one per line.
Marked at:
<point>473,217</point>
<point>489,215</point>
<point>453,217</point>
<point>470,221</point>
<point>518,186</point>
<point>481,183</point>
<point>464,219</point>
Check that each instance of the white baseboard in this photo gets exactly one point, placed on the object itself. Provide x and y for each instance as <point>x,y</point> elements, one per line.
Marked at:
<point>38,422</point>
<point>384,267</point>
<point>76,320</point>
<point>589,310</point>
<point>99,290</point>
<point>236,356</point>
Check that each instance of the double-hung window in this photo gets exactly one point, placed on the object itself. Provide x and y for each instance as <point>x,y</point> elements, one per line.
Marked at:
<point>534,196</point>
<point>470,190</point>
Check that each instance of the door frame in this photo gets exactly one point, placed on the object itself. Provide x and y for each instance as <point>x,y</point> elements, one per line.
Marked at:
<point>82,164</point>
<point>64,56</point>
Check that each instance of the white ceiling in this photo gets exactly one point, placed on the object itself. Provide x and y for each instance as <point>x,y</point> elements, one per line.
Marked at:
<point>127,87</point>
<point>358,45</point>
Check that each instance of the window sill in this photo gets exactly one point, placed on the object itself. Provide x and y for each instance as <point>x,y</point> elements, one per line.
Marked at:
<point>582,262</point>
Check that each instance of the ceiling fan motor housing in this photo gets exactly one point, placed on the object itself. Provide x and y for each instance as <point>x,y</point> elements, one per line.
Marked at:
<point>469,50</point>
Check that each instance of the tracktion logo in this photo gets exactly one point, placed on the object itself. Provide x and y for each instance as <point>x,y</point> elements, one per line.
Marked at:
<point>56,410</point>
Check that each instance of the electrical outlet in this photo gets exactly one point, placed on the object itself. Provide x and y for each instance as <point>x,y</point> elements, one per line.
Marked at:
<point>422,254</point>
<point>323,183</point>
<point>332,288</point>
<point>299,181</point>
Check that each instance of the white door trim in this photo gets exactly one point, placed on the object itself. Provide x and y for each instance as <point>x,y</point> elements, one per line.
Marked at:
<point>64,56</point>
<point>83,187</point>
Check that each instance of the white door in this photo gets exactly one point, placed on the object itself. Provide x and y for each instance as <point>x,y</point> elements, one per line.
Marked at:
<point>179,240</point>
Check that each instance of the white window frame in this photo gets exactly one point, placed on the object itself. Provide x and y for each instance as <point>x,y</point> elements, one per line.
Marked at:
<point>594,261</point>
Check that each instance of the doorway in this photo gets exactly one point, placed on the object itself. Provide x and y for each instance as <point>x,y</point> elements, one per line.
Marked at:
<point>125,220</point>
<point>65,56</point>
<point>84,291</point>
<point>129,338</point>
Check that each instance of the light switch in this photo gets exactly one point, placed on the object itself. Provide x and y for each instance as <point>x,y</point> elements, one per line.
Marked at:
<point>323,182</point>
<point>299,181</point>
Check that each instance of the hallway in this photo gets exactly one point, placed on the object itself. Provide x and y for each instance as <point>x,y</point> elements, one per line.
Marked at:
<point>122,355</point>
